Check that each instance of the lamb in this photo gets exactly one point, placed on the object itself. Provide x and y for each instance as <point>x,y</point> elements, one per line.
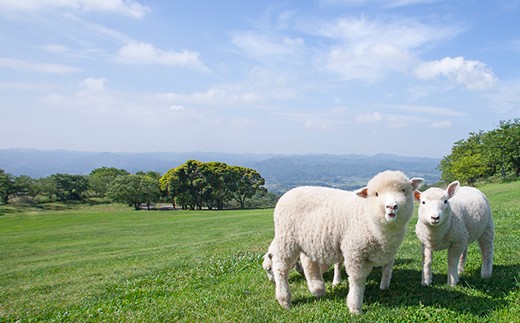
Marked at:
<point>364,228</point>
<point>267,265</point>
<point>451,219</point>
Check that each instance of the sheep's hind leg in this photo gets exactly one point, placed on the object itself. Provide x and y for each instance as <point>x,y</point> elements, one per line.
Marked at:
<point>485,243</point>
<point>337,274</point>
<point>462,261</point>
<point>313,275</point>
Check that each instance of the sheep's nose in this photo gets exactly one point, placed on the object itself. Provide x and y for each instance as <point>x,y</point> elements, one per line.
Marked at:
<point>392,206</point>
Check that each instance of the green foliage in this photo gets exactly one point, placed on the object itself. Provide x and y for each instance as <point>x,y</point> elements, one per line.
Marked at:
<point>86,265</point>
<point>134,190</point>
<point>100,179</point>
<point>484,154</point>
<point>6,186</point>
<point>196,184</point>
<point>68,187</point>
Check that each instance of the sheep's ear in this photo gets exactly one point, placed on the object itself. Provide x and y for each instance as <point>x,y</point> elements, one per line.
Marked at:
<point>362,192</point>
<point>417,195</point>
<point>416,182</point>
<point>452,189</point>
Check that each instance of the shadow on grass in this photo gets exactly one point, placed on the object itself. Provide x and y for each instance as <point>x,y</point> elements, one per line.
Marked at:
<point>473,295</point>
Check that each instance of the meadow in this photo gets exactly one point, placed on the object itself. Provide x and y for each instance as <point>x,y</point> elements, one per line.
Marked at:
<point>112,264</point>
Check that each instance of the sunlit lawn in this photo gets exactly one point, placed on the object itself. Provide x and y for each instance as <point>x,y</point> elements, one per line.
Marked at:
<point>110,263</point>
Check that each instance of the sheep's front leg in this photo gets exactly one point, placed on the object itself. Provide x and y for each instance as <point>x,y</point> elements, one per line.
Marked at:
<point>281,279</point>
<point>387,275</point>
<point>427,256</point>
<point>313,275</point>
<point>454,254</point>
<point>357,280</point>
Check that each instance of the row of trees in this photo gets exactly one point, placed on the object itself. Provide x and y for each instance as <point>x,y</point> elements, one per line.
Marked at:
<point>484,154</point>
<point>193,185</point>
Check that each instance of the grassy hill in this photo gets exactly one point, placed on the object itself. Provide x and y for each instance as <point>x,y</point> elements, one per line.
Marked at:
<point>109,263</point>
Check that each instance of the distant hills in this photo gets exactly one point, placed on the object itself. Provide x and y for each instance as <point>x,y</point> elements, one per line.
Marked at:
<point>281,172</point>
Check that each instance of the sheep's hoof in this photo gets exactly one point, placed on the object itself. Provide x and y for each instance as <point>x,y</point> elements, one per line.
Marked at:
<point>285,303</point>
<point>320,292</point>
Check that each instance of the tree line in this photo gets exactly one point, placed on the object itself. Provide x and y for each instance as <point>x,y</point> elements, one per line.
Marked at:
<point>192,185</point>
<point>484,154</point>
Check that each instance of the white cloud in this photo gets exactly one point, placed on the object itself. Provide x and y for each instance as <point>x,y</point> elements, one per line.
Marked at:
<point>29,66</point>
<point>216,96</point>
<point>369,117</point>
<point>423,109</point>
<point>94,84</point>
<point>144,53</point>
<point>125,7</point>
<point>267,48</point>
<point>474,75</point>
<point>442,124</point>
<point>370,49</point>
<point>175,107</point>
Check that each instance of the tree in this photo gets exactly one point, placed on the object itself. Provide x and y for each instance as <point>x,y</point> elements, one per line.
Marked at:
<point>100,179</point>
<point>484,154</point>
<point>6,186</point>
<point>134,190</point>
<point>70,187</point>
<point>467,161</point>
<point>246,183</point>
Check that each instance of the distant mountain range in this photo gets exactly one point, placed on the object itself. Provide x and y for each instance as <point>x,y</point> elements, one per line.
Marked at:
<point>281,172</point>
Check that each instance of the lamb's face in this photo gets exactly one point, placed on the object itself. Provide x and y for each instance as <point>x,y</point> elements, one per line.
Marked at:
<point>390,197</point>
<point>433,206</point>
<point>267,264</point>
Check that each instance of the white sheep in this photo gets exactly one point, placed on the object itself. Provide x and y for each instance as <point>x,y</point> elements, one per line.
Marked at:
<point>451,219</point>
<point>364,228</point>
<point>301,266</point>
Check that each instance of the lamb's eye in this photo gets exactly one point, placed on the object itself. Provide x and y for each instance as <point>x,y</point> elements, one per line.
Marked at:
<point>403,190</point>
<point>445,201</point>
<point>377,194</point>
<point>423,202</point>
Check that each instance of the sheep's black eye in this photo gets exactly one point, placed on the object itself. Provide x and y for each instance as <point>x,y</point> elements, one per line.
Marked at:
<point>445,201</point>
<point>423,202</point>
<point>377,194</point>
<point>404,190</point>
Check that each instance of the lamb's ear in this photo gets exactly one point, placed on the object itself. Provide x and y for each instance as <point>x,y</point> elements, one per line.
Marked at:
<point>416,182</point>
<point>417,195</point>
<point>452,189</point>
<point>362,192</point>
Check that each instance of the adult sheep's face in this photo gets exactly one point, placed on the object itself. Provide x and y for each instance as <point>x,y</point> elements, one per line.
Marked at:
<point>390,197</point>
<point>434,205</point>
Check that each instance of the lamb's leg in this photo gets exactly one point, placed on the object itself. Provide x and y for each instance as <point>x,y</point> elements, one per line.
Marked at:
<point>357,279</point>
<point>281,268</point>
<point>427,257</point>
<point>462,261</point>
<point>454,254</point>
<point>387,275</point>
<point>337,274</point>
<point>485,243</point>
<point>313,275</point>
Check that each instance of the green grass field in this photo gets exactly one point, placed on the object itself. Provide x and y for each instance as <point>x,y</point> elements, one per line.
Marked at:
<point>110,263</point>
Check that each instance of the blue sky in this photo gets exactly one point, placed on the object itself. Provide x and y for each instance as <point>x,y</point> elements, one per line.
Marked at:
<point>407,77</point>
